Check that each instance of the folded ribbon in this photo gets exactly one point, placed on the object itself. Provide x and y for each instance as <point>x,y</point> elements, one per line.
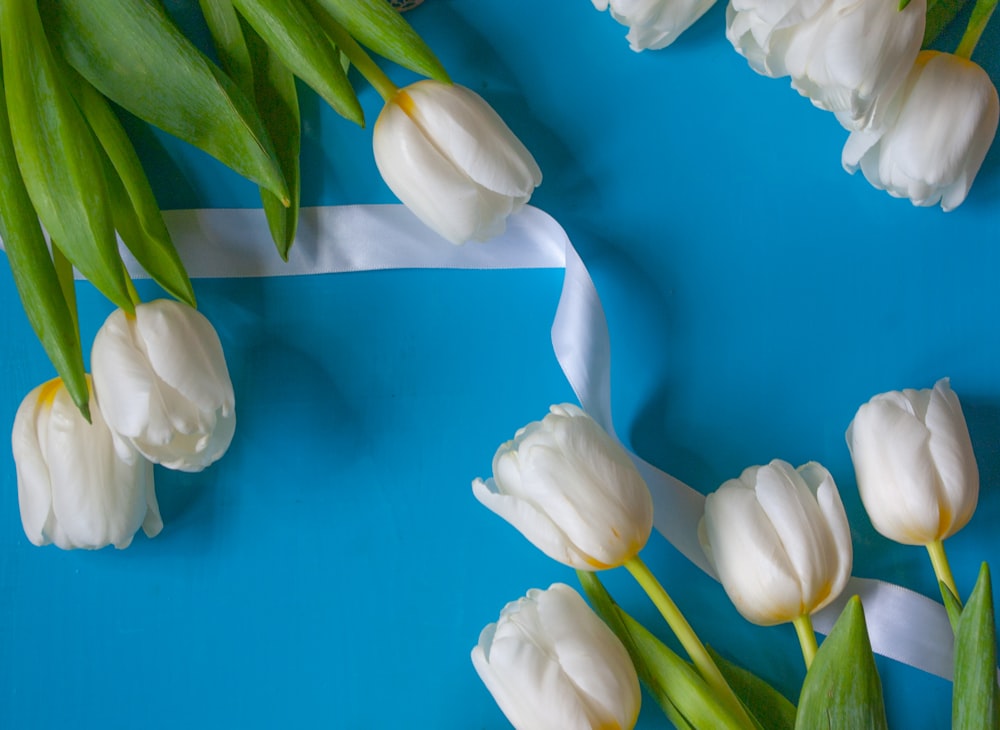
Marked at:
<point>903,625</point>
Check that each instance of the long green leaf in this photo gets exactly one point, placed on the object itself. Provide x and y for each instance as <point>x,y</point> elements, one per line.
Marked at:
<point>771,709</point>
<point>289,30</point>
<point>230,46</point>
<point>135,211</point>
<point>278,101</point>
<point>56,152</point>
<point>135,55</point>
<point>684,696</point>
<point>952,605</point>
<point>377,25</point>
<point>35,274</point>
<point>842,688</point>
<point>974,693</point>
<point>262,76</point>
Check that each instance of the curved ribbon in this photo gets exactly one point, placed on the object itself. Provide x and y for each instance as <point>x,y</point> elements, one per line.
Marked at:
<point>903,625</point>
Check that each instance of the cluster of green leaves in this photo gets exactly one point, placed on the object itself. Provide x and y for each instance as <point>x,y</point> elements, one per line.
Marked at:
<point>68,169</point>
<point>841,690</point>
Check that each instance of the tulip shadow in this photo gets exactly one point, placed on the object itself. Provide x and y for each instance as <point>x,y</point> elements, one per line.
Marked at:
<point>276,382</point>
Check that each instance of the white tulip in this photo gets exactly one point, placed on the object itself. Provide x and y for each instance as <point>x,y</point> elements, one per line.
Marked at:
<point>654,24</point>
<point>450,159</point>
<point>779,540</point>
<point>73,486</point>
<point>759,30</point>
<point>572,490</point>
<point>162,382</point>
<point>550,662</point>
<point>845,55</point>
<point>938,128</point>
<point>914,463</point>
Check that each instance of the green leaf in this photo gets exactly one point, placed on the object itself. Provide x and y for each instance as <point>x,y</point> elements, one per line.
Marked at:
<point>842,689</point>
<point>974,693</point>
<point>940,13</point>
<point>262,75</point>
<point>685,697</point>
<point>135,211</point>
<point>227,36</point>
<point>377,25</point>
<point>277,98</point>
<point>771,709</point>
<point>56,152</point>
<point>35,276</point>
<point>952,605</point>
<point>135,55</point>
<point>291,32</point>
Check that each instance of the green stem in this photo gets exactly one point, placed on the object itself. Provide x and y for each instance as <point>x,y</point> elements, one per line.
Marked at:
<point>974,30</point>
<point>807,638</point>
<point>356,55</point>
<point>686,635</point>
<point>939,559</point>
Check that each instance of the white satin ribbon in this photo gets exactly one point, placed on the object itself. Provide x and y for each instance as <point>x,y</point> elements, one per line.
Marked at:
<point>903,625</point>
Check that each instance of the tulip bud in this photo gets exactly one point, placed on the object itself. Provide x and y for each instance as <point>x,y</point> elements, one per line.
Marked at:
<point>75,489</point>
<point>572,490</point>
<point>937,130</point>
<point>450,159</point>
<point>914,463</point>
<point>550,662</point>
<point>779,540</point>
<point>163,384</point>
<point>654,24</point>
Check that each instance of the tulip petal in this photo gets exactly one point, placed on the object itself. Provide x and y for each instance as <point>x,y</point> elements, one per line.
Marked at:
<point>185,352</point>
<point>438,193</point>
<point>748,555</point>
<point>610,691</point>
<point>951,450</point>
<point>96,497</point>
<point>531,523</point>
<point>34,491</point>
<point>897,480</point>
<point>473,137</point>
<point>549,661</point>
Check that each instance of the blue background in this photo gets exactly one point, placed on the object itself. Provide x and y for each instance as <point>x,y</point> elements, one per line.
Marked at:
<point>334,569</point>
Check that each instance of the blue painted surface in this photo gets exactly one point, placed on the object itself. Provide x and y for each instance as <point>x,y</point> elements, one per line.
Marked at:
<point>334,569</point>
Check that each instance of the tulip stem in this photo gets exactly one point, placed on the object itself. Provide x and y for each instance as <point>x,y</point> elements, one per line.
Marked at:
<point>686,635</point>
<point>974,30</point>
<point>357,56</point>
<point>942,569</point>
<point>133,294</point>
<point>807,638</point>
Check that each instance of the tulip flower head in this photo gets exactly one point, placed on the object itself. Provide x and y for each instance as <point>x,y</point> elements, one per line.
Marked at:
<point>550,662</point>
<point>163,384</point>
<point>780,541</point>
<point>914,463</point>
<point>845,55</point>
<point>654,24</point>
<point>572,490</point>
<point>74,487</point>
<point>449,157</point>
<point>937,130</point>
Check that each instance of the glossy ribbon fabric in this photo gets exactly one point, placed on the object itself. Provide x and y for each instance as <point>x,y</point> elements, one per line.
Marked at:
<point>903,625</point>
